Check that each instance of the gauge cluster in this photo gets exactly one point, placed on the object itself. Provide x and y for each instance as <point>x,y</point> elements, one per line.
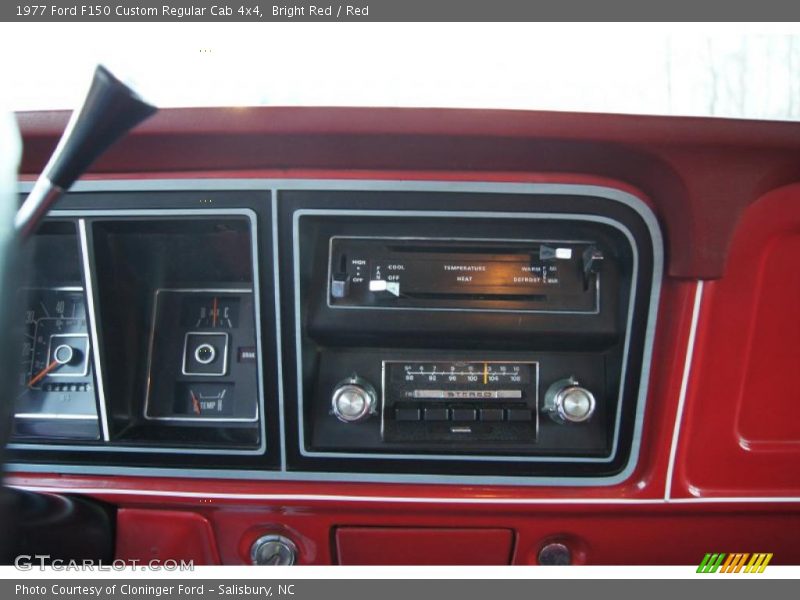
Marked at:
<point>140,333</point>
<point>202,365</point>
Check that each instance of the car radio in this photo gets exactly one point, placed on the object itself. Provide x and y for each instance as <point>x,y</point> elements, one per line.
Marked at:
<point>482,400</point>
<point>462,340</point>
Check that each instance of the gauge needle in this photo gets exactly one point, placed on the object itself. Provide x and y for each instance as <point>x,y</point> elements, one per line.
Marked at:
<point>214,313</point>
<point>195,403</point>
<point>43,373</point>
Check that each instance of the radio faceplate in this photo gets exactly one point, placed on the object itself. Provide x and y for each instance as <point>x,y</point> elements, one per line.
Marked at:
<point>462,402</point>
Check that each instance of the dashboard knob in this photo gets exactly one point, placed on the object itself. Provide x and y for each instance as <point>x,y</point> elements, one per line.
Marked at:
<point>567,402</point>
<point>273,550</point>
<point>354,399</point>
<point>555,554</point>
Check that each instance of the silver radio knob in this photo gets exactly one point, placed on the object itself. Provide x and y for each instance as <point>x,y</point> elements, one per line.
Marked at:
<point>354,399</point>
<point>567,402</point>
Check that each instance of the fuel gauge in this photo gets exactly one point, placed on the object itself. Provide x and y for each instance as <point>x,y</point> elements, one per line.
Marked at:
<point>211,311</point>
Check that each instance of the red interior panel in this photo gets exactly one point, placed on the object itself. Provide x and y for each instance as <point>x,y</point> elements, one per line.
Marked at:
<point>162,535</point>
<point>416,546</point>
<point>741,429</point>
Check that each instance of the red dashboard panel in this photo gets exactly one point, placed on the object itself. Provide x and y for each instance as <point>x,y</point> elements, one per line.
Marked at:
<point>147,535</point>
<point>426,546</point>
<point>392,533</point>
<point>741,431</point>
<point>725,479</point>
<point>678,162</point>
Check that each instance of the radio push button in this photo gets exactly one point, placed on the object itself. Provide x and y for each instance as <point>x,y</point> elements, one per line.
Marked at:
<point>491,414</point>
<point>406,414</point>
<point>436,414</point>
<point>519,414</point>
<point>463,414</point>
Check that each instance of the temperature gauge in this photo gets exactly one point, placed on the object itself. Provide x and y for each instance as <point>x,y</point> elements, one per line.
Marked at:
<point>204,401</point>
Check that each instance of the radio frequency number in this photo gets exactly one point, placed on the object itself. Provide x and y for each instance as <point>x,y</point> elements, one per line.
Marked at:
<point>485,372</point>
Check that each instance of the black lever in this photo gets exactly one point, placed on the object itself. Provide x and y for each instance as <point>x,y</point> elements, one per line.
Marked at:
<point>109,111</point>
<point>592,261</point>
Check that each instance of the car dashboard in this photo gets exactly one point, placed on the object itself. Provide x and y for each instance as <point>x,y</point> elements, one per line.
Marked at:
<point>416,336</point>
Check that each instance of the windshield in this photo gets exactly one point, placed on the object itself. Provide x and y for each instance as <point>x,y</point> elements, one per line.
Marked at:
<point>694,70</point>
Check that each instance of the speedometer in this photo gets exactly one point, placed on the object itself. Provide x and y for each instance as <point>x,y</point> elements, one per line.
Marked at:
<point>55,380</point>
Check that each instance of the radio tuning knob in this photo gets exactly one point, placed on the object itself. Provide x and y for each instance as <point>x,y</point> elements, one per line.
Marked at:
<point>567,402</point>
<point>354,399</point>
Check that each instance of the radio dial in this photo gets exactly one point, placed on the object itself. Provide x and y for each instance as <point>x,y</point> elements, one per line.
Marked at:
<point>354,399</point>
<point>567,402</point>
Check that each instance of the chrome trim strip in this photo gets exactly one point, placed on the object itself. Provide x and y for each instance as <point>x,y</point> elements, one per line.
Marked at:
<point>687,371</point>
<point>478,215</point>
<point>88,284</point>
<point>339,498</point>
<point>276,267</point>
<point>55,416</point>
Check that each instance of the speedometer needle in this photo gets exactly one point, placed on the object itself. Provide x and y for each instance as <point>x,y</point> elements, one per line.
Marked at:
<point>43,373</point>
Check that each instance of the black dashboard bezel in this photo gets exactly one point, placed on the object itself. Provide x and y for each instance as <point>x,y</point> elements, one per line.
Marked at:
<point>123,454</point>
<point>273,203</point>
<point>291,203</point>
